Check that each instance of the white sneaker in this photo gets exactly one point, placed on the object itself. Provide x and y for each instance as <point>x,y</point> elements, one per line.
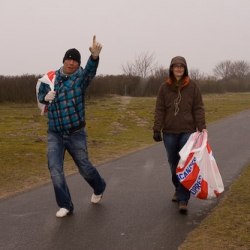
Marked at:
<point>62,212</point>
<point>96,198</point>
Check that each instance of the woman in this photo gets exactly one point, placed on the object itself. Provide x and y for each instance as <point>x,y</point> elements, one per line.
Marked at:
<point>179,112</point>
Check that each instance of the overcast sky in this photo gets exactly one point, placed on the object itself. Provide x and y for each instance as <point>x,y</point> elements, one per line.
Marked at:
<point>35,34</point>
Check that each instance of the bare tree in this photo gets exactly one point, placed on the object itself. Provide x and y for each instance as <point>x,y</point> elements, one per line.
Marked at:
<point>128,69</point>
<point>223,69</point>
<point>240,69</point>
<point>196,74</point>
<point>161,72</point>
<point>142,67</point>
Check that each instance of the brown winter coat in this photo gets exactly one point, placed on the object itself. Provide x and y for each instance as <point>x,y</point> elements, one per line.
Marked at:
<point>191,114</point>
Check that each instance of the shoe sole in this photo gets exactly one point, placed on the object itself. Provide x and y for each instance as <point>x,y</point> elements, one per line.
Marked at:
<point>69,213</point>
<point>183,211</point>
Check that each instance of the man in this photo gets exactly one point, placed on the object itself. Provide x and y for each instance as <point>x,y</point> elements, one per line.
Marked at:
<point>66,122</point>
<point>179,112</point>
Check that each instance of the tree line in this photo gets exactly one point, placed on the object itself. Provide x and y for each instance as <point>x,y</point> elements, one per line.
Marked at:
<point>142,77</point>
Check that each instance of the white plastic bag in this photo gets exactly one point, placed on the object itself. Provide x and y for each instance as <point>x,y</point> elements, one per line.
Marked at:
<point>49,79</point>
<point>197,169</point>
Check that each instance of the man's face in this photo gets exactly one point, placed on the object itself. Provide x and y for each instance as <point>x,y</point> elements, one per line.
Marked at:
<point>178,70</point>
<point>70,67</point>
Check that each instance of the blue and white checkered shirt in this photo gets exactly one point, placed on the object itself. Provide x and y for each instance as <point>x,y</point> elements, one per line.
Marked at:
<point>67,110</point>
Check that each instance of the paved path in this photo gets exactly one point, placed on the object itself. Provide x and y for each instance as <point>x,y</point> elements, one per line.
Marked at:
<point>136,212</point>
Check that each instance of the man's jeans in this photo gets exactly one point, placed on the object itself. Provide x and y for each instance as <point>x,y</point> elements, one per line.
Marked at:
<point>76,145</point>
<point>173,144</point>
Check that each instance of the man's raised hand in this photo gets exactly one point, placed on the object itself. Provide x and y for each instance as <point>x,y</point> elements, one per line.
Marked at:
<point>96,48</point>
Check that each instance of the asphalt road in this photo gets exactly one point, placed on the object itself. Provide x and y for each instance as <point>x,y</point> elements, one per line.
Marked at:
<point>136,212</point>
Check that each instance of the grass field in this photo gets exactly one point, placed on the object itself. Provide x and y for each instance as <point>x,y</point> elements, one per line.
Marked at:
<point>117,126</point>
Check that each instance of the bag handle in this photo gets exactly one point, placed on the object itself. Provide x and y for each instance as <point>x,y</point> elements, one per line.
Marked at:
<point>196,142</point>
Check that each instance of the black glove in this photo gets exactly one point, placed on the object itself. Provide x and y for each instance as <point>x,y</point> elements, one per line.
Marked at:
<point>157,136</point>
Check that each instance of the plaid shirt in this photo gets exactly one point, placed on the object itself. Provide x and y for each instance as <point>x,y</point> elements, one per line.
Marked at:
<point>67,110</point>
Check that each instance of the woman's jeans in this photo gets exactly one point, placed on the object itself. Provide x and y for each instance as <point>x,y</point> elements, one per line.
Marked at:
<point>173,144</point>
<point>76,145</point>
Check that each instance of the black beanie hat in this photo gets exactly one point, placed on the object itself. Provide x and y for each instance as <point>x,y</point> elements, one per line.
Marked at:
<point>73,54</point>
